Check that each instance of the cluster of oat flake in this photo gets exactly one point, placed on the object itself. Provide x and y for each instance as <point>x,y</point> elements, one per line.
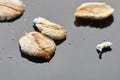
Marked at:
<point>41,44</point>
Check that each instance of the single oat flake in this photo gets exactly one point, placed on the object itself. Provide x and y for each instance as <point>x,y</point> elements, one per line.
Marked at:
<point>37,45</point>
<point>10,9</point>
<point>94,10</point>
<point>53,30</point>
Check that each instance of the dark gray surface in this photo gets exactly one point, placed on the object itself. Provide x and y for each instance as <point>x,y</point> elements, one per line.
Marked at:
<point>75,59</point>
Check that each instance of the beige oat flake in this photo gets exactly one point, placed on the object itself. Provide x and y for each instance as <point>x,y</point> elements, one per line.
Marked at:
<point>37,45</point>
<point>10,9</point>
<point>94,10</point>
<point>50,29</point>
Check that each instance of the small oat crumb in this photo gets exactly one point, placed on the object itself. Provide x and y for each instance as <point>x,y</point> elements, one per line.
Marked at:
<point>103,45</point>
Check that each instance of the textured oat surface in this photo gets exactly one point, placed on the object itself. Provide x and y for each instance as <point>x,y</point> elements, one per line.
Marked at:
<point>94,10</point>
<point>10,9</point>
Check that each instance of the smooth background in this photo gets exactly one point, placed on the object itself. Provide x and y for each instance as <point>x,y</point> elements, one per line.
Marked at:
<point>75,59</point>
